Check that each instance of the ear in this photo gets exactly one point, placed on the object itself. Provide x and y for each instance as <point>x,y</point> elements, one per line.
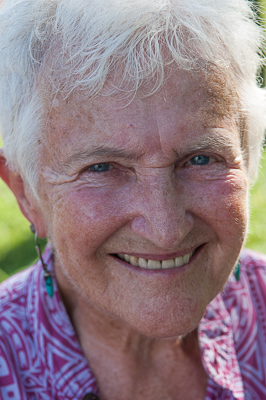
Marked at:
<point>27,203</point>
<point>4,171</point>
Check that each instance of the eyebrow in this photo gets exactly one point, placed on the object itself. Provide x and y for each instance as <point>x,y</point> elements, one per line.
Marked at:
<point>100,151</point>
<point>208,143</point>
<point>217,143</point>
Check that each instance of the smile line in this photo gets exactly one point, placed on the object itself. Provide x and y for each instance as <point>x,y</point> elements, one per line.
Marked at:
<point>176,262</point>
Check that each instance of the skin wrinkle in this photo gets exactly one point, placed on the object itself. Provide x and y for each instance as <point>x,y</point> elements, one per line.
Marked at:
<point>219,93</point>
<point>217,143</point>
<point>225,101</point>
<point>152,204</point>
<point>223,106</point>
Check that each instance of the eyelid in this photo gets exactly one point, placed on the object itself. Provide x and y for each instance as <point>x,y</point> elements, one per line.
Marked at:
<point>213,157</point>
<point>103,163</point>
<point>97,163</point>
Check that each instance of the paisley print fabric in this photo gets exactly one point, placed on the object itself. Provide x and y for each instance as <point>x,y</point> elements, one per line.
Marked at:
<point>41,359</point>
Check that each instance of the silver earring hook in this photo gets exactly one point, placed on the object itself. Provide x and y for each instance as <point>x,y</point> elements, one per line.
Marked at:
<point>39,252</point>
<point>46,273</point>
<point>38,247</point>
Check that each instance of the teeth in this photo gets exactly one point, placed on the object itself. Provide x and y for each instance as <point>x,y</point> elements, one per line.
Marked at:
<point>143,263</point>
<point>134,261</point>
<point>179,261</point>
<point>168,264</point>
<point>186,258</point>
<point>127,258</point>
<point>154,264</point>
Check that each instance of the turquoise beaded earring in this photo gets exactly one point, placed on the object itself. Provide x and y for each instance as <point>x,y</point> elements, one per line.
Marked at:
<point>237,271</point>
<point>47,274</point>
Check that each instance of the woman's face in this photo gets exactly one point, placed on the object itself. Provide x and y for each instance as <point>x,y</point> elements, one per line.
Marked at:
<point>158,181</point>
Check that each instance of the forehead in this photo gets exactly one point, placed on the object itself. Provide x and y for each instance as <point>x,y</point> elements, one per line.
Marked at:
<point>188,103</point>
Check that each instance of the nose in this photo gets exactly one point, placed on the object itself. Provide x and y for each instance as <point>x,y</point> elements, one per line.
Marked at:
<point>161,213</point>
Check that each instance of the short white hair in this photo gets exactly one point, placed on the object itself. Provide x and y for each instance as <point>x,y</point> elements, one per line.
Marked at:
<point>77,44</point>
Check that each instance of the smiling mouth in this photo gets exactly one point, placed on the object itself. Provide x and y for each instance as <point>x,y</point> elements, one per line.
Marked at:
<point>176,262</point>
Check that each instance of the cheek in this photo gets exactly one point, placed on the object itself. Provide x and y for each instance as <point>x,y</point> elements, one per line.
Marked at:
<point>84,219</point>
<point>222,203</point>
<point>222,206</point>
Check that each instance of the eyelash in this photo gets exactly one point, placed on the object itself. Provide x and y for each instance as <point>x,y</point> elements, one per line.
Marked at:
<point>202,159</point>
<point>101,167</point>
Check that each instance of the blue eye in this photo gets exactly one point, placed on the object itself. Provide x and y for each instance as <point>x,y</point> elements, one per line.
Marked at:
<point>199,160</point>
<point>101,167</point>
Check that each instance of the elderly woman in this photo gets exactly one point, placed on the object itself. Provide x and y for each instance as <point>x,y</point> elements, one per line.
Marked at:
<point>132,130</point>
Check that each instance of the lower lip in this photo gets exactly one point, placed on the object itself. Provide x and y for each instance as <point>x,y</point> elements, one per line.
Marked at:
<point>167,271</point>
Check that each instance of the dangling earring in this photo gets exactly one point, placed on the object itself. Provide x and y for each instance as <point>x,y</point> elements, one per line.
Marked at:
<point>237,271</point>
<point>47,274</point>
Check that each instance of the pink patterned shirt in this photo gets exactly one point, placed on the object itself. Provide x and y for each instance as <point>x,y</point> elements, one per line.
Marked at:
<point>41,359</point>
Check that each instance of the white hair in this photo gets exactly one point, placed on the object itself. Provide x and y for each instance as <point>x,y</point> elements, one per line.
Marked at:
<point>63,45</point>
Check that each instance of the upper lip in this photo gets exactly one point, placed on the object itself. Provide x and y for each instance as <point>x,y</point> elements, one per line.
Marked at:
<point>160,257</point>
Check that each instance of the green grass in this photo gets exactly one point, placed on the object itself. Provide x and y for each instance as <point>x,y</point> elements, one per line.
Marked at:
<point>257,236</point>
<point>17,245</point>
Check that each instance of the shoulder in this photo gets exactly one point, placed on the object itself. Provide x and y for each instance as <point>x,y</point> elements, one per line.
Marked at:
<point>15,287</point>
<point>251,288</point>
<point>253,264</point>
<point>245,300</point>
<point>253,269</point>
<point>16,339</point>
<point>252,274</point>
<point>15,295</point>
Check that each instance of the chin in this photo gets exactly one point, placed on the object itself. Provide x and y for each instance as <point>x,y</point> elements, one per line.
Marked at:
<point>164,326</point>
<point>162,332</point>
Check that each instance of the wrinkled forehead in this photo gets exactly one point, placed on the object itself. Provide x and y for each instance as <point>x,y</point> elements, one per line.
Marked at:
<point>209,93</point>
<point>191,108</point>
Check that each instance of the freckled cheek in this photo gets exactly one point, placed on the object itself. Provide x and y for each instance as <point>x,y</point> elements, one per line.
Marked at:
<point>86,217</point>
<point>223,204</point>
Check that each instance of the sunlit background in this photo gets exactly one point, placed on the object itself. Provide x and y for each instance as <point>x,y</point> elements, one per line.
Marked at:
<point>17,249</point>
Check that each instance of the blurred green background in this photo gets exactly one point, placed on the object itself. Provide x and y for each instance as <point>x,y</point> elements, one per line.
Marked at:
<point>17,245</point>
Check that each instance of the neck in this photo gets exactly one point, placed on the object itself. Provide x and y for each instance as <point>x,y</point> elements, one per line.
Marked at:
<point>136,363</point>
